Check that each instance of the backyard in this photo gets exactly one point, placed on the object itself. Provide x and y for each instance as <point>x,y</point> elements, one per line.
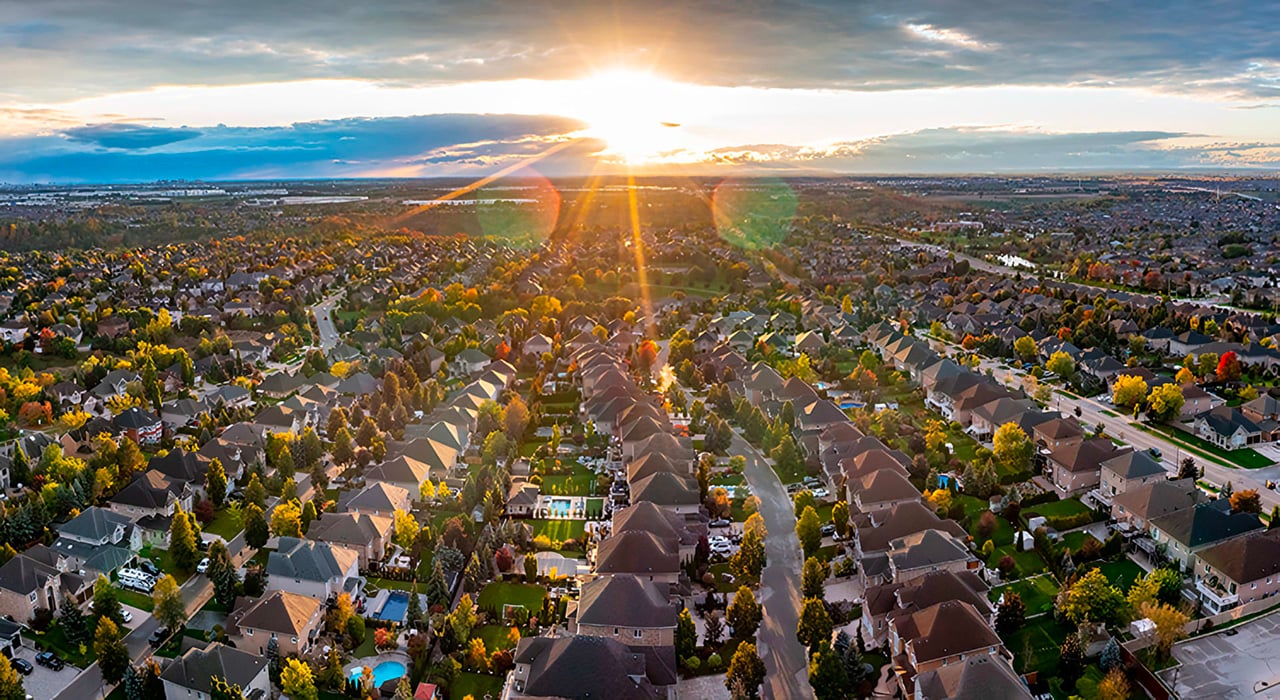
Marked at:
<point>1035,646</point>
<point>475,685</point>
<point>500,593</point>
<point>559,530</point>
<point>1037,593</point>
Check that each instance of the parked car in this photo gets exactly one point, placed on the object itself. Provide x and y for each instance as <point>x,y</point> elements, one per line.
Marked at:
<point>150,567</point>
<point>203,566</point>
<point>828,530</point>
<point>721,522</point>
<point>821,493</point>
<point>1155,452</point>
<point>22,666</point>
<point>126,615</point>
<point>157,638</point>
<point>49,660</point>
<point>721,548</point>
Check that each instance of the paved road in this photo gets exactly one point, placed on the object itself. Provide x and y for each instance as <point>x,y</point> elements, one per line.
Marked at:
<point>784,656</point>
<point>89,685</point>
<point>1121,427</point>
<point>324,321</point>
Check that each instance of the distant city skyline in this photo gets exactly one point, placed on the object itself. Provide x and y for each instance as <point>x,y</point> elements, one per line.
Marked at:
<point>101,92</point>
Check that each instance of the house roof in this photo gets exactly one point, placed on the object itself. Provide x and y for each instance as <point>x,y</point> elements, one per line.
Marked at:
<point>583,667</point>
<point>637,552</point>
<point>310,560</point>
<point>94,523</point>
<point>277,611</point>
<point>197,667</point>
<point>376,496</point>
<point>1206,523</point>
<point>1159,498</point>
<point>1134,465</point>
<point>982,677</point>
<point>135,418</point>
<point>1248,558</point>
<point>928,548</point>
<point>667,489</point>
<point>357,529</point>
<point>946,629</point>
<point>626,601</point>
<point>902,520</point>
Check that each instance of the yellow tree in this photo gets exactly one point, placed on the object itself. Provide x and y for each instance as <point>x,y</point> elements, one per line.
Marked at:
<point>1166,402</point>
<point>286,520</point>
<point>1129,391</point>
<point>1012,447</point>
<point>407,529</point>
<point>1171,625</point>
<point>1061,364</point>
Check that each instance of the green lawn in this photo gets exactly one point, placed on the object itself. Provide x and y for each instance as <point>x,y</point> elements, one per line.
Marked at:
<point>1075,540</point>
<point>973,509</point>
<point>1038,593</point>
<point>1026,563</point>
<point>559,529</point>
<point>1035,646</point>
<point>475,685</point>
<point>582,482</point>
<point>54,639</point>
<point>397,585</point>
<point>138,600</point>
<point>1246,458</point>
<point>495,636</point>
<point>1059,509</point>
<point>225,524</point>
<point>595,507</point>
<point>1121,573</point>
<point>500,593</point>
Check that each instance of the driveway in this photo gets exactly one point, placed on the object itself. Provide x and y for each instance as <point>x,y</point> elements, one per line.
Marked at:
<point>1235,663</point>
<point>45,683</point>
<point>784,656</point>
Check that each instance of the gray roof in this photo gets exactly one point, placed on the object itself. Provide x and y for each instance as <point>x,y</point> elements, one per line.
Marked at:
<point>309,560</point>
<point>94,524</point>
<point>196,668</point>
<point>583,667</point>
<point>625,601</point>
<point>1134,465</point>
<point>981,677</point>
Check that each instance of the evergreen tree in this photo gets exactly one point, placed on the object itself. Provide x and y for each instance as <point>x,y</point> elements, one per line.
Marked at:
<point>413,616</point>
<point>255,492</point>
<point>106,603</point>
<point>222,572</point>
<point>113,657</point>
<point>827,674</point>
<point>215,483</point>
<point>746,673</point>
<point>182,541</point>
<point>133,684</point>
<point>686,635</point>
<point>73,623</point>
<point>1070,661</point>
<point>437,586</point>
<point>256,532</point>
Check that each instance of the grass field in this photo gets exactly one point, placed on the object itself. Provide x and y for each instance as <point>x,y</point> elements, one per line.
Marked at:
<point>973,510</point>
<point>476,685</point>
<point>1059,509</point>
<point>1026,563</point>
<point>1035,646</point>
<point>1121,573</point>
<point>1245,458</point>
<point>559,529</point>
<point>226,524</point>
<point>582,482</point>
<point>1038,593</point>
<point>495,636</point>
<point>138,600</point>
<point>500,593</point>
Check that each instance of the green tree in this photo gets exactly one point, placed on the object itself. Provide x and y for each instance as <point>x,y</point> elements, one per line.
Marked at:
<point>106,602</point>
<point>748,562</point>
<point>296,680</point>
<point>169,609</point>
<point>113,657</point>
<point>1012,447</point>
<point>686,635</point>
<point>256,532</point>
<point>73,623</point>
<point>1011,613</point>
<point>1166,402</point>
<point>812,577</point>
<point>215,482</point>
<point>809,530</point>
<point>1061,364</point>
<point>1092,598</point>
<point>255,492</point>
<point>222,572</point>
<point>744,614</point>
<point>746,673</point>
<point>827,674</point>
<point>815,623</point>
<point>840,518</point>
<point>787,456</point>
<point>182,541</point>
<point>438,586</point>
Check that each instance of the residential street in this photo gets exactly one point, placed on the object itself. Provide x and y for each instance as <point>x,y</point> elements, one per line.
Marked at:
<point>784,656</point>
<point>195,592</point>
<point>324,321</point>
<point>1120,427</point>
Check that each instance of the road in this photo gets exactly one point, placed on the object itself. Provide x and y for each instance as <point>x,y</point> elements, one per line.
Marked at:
<point>784,656</point>
<point>197,591</point>
<point>324,321</point>
<point>1092,412</point>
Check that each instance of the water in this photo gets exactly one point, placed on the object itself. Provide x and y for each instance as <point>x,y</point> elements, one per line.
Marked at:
<point>383,672</point>
<point>395,607</point>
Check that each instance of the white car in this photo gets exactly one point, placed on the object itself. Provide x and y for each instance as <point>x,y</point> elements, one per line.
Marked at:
<point>203,566</point>
<point>821,493</point>
<point>721,548</point>
<point>126,615</point>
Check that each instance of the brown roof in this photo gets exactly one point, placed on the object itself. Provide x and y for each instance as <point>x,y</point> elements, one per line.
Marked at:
<point>1247,558</point>
<point>946,629</point>
<point>277,611</point>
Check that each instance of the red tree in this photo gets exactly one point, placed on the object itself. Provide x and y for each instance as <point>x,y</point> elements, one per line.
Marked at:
<point>1229,366</point>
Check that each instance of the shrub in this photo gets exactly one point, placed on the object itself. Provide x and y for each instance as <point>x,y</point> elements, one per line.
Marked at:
<point>713,662</point>
<point>693,663</point>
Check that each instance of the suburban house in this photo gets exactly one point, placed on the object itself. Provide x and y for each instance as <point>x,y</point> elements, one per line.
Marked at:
<point>367,534</point>
<point>1228,427</point>
<point>1180,535</point>
<point>915,555</point>
<point>99,540</point>
<point>190,675</point>
<point>316,569</point>
<point>1128,471</point>
<point>149,501</point>
<point>976,678</point>
<point>401,472</point>
<point>1077,467</point>
<point>376,498</point>
<point>947,633</point>
<point>292,619</point>
<point>583,666</point>
<point>883,603</point>
<point>629,609</point>
<point>639,553</point>
<point>26,585</point>
<point>140,426</point>
<point>1135,508</point>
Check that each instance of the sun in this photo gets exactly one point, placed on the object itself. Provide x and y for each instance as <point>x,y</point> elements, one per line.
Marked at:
<point>637,114</point>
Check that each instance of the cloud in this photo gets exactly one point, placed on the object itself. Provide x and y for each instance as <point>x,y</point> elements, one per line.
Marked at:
<point>60,48</point>
<point>974,150</point>
<point>417,145</point>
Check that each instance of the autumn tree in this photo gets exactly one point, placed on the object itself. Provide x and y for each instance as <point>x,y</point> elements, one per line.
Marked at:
<point>182,541</point>
<point>1061,364</point>
<point>1170,622</point>
<point>215,482</point>
<point>1129,391</point>
<point>840,518</point>
<point>1011,613</point>
<point>1246,501</point>
<point>296,680</point>
<point>286,519</point>
<point>113,656</point>
<point>1012,447</point>
<point>813,574</point>
<point>1025,347</point>
<point>744,614</point>
<point>1165,402</point>
<point>1092,598</point>
<point>746,673</point>
<point>169,608</point>
<point>406,529</point>
<point>809,530</point>
<point>1229,368</point>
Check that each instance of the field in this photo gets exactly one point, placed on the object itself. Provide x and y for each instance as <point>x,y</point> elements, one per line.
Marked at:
<point>499,593</point>
<point>495,636</point>
<point>558,529</point>
<point>475,685</point>
<point>1245,458</point>
<point>1038,593</point>
<point>1035,646</point>
<point>1121,573</point>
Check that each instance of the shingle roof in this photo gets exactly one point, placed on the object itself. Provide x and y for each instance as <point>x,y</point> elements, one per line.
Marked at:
<point>583,667</point>
<point>277,611</point>
<point>196,668</point>
<point>309,560</point>
<point>625,601</point>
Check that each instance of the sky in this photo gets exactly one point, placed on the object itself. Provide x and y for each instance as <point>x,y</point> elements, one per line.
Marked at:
<point>131,91</point>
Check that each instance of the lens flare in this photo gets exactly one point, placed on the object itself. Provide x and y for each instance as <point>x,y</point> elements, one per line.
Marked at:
<point>520,213</point>
<point>753,214</point>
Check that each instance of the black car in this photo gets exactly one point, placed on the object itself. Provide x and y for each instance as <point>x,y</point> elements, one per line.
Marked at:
<point>22,666</point>
<point>150,567</point>
<point>157,638</point>
<point>49,660</point>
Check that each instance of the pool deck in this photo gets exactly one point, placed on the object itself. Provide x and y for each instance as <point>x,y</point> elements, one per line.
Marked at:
<point>373,661</point>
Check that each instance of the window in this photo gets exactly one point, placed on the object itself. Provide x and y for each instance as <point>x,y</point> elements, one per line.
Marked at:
<point>638,633</point>
<point>294,640</point>
<point>615,631</point>
<point>249,632</point>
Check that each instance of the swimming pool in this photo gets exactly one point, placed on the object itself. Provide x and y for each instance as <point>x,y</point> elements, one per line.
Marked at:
<point>395,607</point>
<point>383,672</point>
<point>557,507</point>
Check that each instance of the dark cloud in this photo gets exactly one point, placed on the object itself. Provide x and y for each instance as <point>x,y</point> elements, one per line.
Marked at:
<point>70,47</point>
<point>420,145</point>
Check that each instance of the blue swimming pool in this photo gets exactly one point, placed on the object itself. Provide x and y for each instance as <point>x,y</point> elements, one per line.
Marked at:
<point>383,672</point>
<point>395,607</point>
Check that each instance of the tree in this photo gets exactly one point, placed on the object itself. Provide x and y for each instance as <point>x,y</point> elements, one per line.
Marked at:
<point>744,614</point>
<point>255,492</point>
<point>515,419</point>
<point>220,689</point>
<point>809,530</point>
<point>106,603</point>
<point>746,673</point>
<point>1184,376</point>
<point>1229,369</point>
<point>706,461</point>
<point>1246,501</point>
<point>530,568</point>
<point>812,577</point>
<point>286,519</point>
<point>256,533</point>
<point>1025,346</point>
<point>222,572</point>
<point>406,529</point>
<point>1110,657</point>
<point>713,630</point>
<point>1011,613</point>
<point>1012,447</point>
<point>1188,469</point>
<point>840,518</point>
<point>167,598</point>
<point>343,450</point>
<point>815,623</point>
<point>113,656</point>
<point>749,560</point>
<point>986,525</point>
<point>1129,391</point>
<point>296,680</point>
<point>215,482</point>
<point>1171,624</point>
<point>1061,364</point>
<point>1114,686</point>
<point>1092,598</point>
<point>787,456</point>
<point>1165,402</point>
<point>11,687</point>
<point>463,619</point>
<point>1070,660</point>
<point>827,674</point>
<point>73,622</point>
<point>686,642</point>
<point>182,541</point>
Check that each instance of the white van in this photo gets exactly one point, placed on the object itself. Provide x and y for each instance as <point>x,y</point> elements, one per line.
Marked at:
<point>137,580</point>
